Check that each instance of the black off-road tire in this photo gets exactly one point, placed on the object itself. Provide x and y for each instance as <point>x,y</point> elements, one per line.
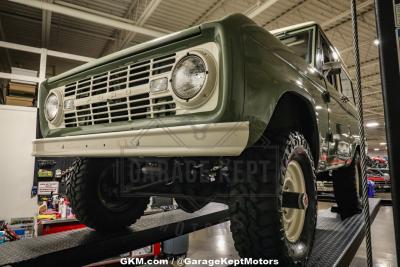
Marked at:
<point>88,204</point>
<point>348,188</point>
<point>190,205</point>
<point>256,204</point>
<point>187,200</point>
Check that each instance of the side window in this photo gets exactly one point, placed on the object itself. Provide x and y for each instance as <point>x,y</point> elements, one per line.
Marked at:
<point>347,86</point>
<point>327,54</point>
<point>300,43</point>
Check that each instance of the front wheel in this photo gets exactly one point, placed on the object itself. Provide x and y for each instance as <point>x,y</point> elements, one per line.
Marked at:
<point>190,205</point>
<point>92,189</point>
<point>263,225</point>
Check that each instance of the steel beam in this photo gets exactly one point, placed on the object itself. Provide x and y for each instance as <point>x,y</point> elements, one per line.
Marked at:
<point>43,64</point>
<point>367,64</point>
<point>390,71</point>
<point>36,50</point>
<point>217,4</point>
<point>3,36</point>
<point>345,14</point>
<point>258,8</point>
<point>286,12</point>
<point>69,56</point>
<point>350,48</point>
<point>65,28</point>
<point>372,81</point>
<point>10,76</point>
<point>96,18</point>
<point>46,26</point>
<point>150,8</point>
<point>117,32</point>
<point>373,93</point>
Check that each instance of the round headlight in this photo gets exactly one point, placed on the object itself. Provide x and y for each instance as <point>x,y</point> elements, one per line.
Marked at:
<point>188,77</point>
<point>52,106</point>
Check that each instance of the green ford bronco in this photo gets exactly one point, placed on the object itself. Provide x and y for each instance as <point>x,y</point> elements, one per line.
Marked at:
<point>225,111</point>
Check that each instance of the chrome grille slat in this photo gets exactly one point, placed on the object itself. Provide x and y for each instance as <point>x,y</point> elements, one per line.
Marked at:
<point>138,80</point>
<point>162,67</point>
<point>101,113</point>
<point>130,105</point>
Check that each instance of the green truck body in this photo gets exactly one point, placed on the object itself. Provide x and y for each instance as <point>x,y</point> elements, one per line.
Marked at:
<point>256,73</point>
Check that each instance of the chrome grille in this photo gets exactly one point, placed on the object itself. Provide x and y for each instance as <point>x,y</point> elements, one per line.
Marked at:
<point>135,105</point>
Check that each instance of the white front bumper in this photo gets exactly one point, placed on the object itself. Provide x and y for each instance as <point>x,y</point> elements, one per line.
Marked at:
<point>217,139</point>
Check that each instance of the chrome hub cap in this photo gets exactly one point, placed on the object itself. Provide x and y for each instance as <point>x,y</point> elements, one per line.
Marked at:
<point>293,219</point>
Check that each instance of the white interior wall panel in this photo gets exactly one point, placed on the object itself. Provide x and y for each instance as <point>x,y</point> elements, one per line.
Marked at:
<point>18,129</point>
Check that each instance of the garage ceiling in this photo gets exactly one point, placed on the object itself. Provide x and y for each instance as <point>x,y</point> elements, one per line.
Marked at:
<point>32,26</point>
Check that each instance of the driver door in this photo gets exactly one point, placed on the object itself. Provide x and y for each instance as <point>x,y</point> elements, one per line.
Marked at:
<point>339,149</point>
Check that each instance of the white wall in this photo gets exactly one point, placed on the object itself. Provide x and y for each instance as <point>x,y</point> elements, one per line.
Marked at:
<point>17,130</point>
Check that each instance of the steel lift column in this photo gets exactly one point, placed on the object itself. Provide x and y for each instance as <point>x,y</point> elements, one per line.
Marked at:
<point>388,27</point>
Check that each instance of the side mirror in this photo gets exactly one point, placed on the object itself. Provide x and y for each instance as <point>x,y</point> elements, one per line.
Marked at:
<point>332,68</point>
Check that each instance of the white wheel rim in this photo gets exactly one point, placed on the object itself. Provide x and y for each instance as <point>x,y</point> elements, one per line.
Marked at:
<point>293,219</point>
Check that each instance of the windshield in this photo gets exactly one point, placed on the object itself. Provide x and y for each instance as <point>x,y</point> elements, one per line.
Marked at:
<point>299,42</point>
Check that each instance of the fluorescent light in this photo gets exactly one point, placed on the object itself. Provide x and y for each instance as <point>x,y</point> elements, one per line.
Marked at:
<point>372,124</point>
<point>318,107</point>
<point>382,144</point>
<point>376,42</point>
<point>376,149</point>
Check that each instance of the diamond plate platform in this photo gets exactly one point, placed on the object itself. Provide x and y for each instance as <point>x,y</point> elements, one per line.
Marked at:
<point>336,241</point>
<point>84,246</point>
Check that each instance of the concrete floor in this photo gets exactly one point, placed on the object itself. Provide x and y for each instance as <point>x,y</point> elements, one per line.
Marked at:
<point>216,242</point>
<point>383,243</point>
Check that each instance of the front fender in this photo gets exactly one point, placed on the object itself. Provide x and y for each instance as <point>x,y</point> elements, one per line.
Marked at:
<point>267,79</point>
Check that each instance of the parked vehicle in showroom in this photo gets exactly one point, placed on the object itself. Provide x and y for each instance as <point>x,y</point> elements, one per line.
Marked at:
<point>249,117</point>
<point>377,162</point>
<point>380,178</point>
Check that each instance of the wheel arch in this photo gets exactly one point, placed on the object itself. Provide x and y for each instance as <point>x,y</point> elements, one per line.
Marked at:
<point>301,114</point>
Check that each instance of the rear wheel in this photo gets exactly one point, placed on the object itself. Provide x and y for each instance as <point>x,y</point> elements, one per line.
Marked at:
<point>262,224</point>
<point>348,188</point>
<point>92,189</point>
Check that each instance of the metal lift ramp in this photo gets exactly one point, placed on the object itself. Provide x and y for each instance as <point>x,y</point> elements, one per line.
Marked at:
<point>336,241</point>
<point>335,244</point>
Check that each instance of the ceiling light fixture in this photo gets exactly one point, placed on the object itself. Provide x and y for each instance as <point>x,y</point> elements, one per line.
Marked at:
<point>376,42</point>
<point>371,124</point>
<point>382,144</point>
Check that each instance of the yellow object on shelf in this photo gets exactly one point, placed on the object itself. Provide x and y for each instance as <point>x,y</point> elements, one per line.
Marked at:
<point>47,217</point>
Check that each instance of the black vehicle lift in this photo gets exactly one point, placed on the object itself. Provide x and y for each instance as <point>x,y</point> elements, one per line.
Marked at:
<point>335,244</point>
